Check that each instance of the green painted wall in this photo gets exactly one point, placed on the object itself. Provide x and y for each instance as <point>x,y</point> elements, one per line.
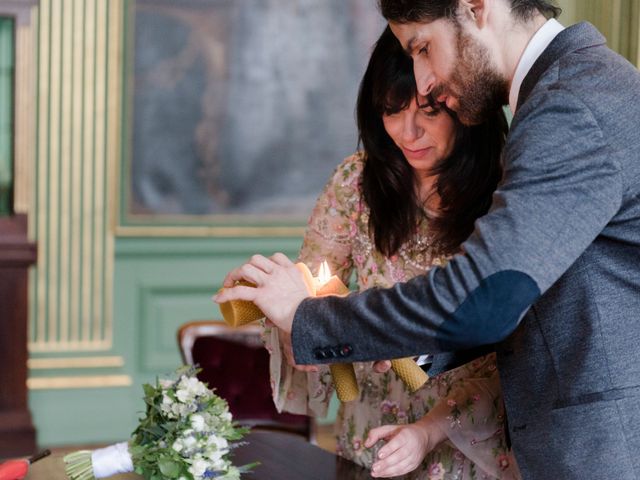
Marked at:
<point>159,284</point>
<point>7,68</point>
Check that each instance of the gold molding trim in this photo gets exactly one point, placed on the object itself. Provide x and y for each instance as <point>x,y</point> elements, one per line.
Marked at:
<point>114,121</point>
<point>68,346</point>
<point>60,383</point>
<point>130,231</point>
<point>24,112</point>
<point>79,90</point>
<point>74,362</point>
<point>635,21</point>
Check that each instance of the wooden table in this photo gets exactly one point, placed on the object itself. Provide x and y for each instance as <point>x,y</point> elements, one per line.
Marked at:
<point>282,456</point>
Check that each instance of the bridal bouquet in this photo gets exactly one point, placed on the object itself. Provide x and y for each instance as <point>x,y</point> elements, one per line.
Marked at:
<point>185,435</point>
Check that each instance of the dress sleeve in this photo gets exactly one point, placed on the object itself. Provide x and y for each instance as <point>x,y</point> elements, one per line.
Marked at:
<point>329,237</point>
<point>472,416</point>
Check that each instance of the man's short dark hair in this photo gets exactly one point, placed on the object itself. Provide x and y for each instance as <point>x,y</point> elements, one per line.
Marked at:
<point>409,11</point>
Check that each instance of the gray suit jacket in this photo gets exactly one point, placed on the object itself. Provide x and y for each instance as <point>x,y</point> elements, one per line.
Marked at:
<point>551,275</point>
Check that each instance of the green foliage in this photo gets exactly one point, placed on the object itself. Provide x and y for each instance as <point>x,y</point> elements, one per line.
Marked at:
<point>185,433</point>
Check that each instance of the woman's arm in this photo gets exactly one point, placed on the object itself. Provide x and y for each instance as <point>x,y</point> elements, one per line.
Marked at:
<point>328,238</point>
<point>470,417</point>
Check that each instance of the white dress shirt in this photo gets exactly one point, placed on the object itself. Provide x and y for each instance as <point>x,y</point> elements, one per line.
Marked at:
<point>538,43</point>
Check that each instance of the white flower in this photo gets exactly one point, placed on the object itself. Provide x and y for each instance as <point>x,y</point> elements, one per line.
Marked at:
<point>215,455</point>
<point>197,422</point>
<point>219,442</point>
<point>179,410</point>
<point>198,468</point>
<point>191,387</point>
<point>184,395</point>
<point>189,441</point>
<point>177,446</point>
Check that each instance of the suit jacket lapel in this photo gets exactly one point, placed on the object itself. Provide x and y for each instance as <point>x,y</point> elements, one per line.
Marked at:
<point>581,35</point>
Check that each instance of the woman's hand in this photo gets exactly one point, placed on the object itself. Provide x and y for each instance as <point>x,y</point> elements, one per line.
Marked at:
<point>405,448</point>
<point>382,366</point>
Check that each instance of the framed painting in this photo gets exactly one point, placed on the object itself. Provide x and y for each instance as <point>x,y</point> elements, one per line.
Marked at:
<point>238,111</point>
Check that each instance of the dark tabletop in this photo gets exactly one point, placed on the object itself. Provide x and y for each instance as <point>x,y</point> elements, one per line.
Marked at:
<point>286,456</point>
<point>282,456</point>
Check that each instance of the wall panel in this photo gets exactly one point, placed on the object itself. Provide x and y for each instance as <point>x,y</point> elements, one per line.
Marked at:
<point>618,20</point>
<point>78,112</point>
<point>162,283</point>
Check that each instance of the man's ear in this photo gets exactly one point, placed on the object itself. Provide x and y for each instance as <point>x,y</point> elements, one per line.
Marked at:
<point>474,10</point>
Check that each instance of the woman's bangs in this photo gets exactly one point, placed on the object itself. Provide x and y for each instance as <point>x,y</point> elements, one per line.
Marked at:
<point>399,95</point>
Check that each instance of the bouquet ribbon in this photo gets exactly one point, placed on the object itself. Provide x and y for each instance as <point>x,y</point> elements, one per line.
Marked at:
<point>111,460</point>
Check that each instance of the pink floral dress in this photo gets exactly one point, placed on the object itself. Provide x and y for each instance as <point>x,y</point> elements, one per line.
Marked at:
<point>466,401</point>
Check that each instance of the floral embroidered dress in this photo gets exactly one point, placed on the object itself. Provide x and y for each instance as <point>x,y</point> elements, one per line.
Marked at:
<point>467,400</point>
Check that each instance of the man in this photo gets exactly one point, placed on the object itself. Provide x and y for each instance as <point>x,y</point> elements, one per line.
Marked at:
<point>551,274</point>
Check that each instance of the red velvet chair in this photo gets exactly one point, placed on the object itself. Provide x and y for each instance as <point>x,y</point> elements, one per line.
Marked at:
<point>235,363</point>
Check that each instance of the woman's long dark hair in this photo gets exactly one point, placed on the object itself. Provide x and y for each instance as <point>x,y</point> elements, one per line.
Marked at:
<point>466,179</point>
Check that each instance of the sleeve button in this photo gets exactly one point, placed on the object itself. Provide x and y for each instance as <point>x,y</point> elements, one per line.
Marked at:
<point>320,354</point>
<point>346,350</point>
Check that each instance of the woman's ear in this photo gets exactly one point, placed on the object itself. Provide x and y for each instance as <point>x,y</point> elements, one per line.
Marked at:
<point>474,10</point>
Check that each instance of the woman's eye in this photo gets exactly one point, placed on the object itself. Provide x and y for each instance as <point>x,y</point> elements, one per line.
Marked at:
<point>429,111</point>
<point>424,50</point>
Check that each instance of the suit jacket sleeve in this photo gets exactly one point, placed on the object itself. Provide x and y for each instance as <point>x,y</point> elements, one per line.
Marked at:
<point>561,187</point>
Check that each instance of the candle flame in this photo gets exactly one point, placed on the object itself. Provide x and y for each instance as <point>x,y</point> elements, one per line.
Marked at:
<point>324,275</point>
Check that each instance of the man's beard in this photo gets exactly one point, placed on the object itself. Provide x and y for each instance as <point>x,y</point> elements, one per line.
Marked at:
<point>478,88</point>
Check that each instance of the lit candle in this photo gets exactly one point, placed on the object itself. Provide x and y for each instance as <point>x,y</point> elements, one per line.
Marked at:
<point>328,284</point>
<point>343,374</point>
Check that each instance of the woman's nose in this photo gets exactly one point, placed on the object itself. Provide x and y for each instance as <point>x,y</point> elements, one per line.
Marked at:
<point>411,130</point>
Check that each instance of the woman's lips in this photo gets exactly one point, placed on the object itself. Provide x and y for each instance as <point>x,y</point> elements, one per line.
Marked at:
<point>417,153</point>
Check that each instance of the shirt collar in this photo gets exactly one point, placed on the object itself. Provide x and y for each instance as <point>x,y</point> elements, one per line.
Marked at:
<point>538,43</point>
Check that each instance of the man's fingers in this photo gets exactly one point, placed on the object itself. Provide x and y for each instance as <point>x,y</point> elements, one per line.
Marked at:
<point>252,273</point>
<point>379,433</point>
<point>248,271</point>
<point>382,366</point>
<point>231,278</point>
<point>262,263</point>
<point>239,292</point>
<point>281,259</point>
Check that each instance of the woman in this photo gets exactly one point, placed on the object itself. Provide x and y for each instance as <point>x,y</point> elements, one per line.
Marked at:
<point>388,214</point>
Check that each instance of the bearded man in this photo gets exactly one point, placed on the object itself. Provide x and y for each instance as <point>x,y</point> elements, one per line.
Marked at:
<point>551,275</point>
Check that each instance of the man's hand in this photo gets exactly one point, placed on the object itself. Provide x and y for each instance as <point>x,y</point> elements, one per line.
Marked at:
<point>406,446</point>
<point>280,287</point>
